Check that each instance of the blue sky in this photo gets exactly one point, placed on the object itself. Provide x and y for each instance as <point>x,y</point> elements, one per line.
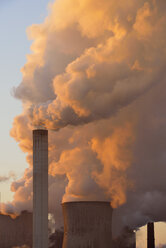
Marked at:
<point>15,17</point>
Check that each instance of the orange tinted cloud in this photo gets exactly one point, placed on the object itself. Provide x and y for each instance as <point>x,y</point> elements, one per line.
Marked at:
<point>96,79</point>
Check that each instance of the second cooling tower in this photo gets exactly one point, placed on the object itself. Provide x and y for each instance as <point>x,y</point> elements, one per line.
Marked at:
<point>87,225</point>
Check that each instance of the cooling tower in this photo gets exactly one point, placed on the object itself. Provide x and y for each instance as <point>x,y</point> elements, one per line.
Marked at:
<point>87,225</point>
<point>40,189</point>
<point>150,233</point>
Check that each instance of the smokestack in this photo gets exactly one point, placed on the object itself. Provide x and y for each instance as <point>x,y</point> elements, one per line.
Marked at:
<point>87,224</point>
<point>150,233</point>
<point>134,240</point>
<point>40,189</point>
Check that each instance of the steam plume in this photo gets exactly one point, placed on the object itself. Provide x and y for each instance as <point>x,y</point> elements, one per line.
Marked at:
<point>6,178</point>
<point>3,178</point>
<point>97,77</point>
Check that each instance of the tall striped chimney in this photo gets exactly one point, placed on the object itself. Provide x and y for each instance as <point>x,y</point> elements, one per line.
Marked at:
<point>40,189</point>
<point>150,233</point>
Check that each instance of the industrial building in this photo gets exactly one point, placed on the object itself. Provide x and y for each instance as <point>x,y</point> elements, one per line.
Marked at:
<point>19,232</point>
<point>16,232</point>
<point>87,224</point>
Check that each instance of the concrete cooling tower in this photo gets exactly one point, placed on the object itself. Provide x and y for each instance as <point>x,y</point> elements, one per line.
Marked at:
<point>87,225</point>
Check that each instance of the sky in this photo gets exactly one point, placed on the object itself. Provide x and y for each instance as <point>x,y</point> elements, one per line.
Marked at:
<point>15,17</point>
<point>160,229</point>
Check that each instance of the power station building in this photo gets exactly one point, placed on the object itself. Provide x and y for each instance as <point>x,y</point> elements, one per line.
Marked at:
<point>16,232</point>
<point>87,224</point>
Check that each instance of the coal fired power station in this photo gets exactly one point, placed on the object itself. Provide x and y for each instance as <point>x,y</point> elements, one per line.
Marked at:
<point>40,189</point>
<point>87,224</point>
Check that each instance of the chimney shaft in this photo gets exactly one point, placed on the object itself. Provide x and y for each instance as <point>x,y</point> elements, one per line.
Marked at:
<point>40,189</point>
<point>150,233</point>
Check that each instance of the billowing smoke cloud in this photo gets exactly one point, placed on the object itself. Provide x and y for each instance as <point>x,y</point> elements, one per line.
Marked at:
<point>96,79</point>
<point>3,179</point>
<point>7,178</point>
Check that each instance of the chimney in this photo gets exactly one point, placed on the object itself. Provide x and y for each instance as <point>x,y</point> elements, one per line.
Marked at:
<point>40,189</point>
<point>87,224</point>
<point>150,233</point>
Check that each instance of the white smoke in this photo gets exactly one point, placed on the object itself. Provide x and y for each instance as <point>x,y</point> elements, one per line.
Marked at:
<point>96,79</point>
<point>11,175</point>
<point>3,178</point>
